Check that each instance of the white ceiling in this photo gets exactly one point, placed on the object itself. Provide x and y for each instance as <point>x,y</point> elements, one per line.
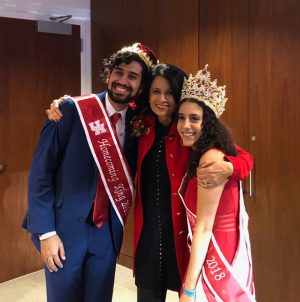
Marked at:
<point>79,9</point>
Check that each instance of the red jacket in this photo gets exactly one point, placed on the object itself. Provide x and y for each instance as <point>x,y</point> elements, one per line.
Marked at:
<point>176,157</point>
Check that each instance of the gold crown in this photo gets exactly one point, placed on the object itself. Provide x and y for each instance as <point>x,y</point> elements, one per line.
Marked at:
<point>200,87</point>
<point>144,52</point>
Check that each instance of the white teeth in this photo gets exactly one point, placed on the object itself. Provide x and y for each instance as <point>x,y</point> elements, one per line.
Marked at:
<point>121,89</point>
<point>187,134</point>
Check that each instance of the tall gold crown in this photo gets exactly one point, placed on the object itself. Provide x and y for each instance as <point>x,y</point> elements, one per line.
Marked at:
<point>200,87</point>
<point>144,52</point>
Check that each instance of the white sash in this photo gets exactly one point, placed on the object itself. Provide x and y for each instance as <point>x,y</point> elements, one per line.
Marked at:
<point>219,281</point>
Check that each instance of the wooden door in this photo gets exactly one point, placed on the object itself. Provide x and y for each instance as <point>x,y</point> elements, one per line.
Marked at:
<point>177,33</point>
<point>223,45</point>
<point>274,115</point>
<point>34,69</point>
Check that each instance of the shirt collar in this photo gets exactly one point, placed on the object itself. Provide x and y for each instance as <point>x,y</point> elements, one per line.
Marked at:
<point>111,110</point>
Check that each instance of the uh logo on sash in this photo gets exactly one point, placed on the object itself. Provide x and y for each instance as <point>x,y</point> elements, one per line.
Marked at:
<point>107,153</point>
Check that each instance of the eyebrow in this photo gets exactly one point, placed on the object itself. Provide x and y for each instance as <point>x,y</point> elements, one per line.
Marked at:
<point>167,90</point>
<point>130,72</point>
<point>117,67</point>
<point>134,73</point>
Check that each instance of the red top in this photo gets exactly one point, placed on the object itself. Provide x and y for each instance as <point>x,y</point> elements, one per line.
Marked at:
<point>226,223</point>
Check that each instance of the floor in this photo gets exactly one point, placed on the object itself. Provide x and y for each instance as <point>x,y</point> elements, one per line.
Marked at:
<point>31,288</point>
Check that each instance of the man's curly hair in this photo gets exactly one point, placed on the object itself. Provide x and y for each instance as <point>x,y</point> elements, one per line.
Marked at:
<point>127,57</point>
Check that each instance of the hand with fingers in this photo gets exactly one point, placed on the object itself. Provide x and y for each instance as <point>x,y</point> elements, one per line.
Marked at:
<point>213,173</point>
<point>52,251</point>
<point>54,114</point>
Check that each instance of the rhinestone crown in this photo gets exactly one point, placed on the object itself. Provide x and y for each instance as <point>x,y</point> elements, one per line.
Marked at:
<point>201,88</point>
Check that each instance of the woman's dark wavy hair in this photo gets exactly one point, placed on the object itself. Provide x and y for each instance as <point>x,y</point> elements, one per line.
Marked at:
<point>174,75</point>
<point>214,134</point>
<point>126,57</point>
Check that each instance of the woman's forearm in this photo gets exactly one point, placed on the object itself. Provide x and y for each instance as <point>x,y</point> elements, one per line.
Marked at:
<point>201,239</point>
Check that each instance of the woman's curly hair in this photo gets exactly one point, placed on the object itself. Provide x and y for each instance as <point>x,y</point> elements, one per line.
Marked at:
<point>214,134</point>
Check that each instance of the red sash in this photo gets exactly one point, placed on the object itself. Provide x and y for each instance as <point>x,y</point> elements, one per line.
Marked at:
<point>220,281</point>
<point>107,153</point>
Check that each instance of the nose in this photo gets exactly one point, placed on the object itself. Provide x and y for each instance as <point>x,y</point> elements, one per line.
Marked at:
<point>122,79</point>
<point>186,124</point>
<point>162,97</point>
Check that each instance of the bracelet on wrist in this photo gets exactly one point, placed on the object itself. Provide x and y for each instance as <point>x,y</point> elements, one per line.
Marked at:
<point>189,292</point>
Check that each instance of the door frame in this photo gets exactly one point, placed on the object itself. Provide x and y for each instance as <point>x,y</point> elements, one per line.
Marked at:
<point>85,36</point>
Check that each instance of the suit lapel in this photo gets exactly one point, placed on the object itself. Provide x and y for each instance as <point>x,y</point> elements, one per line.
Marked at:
<point>128,137</point>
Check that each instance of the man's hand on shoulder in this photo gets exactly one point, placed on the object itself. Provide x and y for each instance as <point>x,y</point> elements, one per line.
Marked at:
<point>52,251</point>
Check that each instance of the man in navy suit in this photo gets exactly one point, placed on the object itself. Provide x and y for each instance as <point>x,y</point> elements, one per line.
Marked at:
<point>79,257</point>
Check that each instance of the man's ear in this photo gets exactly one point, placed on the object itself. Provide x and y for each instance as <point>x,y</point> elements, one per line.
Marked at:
<point>107,74</point>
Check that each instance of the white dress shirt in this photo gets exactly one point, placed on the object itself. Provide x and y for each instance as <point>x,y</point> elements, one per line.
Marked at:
<point>120,126</point>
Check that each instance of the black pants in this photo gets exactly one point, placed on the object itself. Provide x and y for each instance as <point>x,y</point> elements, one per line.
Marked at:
<point>151,295</point>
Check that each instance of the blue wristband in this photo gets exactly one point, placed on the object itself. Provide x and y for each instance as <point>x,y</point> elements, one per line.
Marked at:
<point>189,292</point>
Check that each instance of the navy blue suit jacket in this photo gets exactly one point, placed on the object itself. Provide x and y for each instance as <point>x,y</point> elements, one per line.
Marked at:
<point>63,176</point>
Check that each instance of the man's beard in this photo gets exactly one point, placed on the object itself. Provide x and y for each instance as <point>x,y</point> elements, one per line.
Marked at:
<point>120,99</point>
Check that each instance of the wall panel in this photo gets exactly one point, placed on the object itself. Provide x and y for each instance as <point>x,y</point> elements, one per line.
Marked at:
<point>274,89</point>
<point>178,33</point>
<point>223,45</point>
<point>117,23</point>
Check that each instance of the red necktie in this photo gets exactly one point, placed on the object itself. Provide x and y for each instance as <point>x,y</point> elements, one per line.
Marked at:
<point>100,212</point>
<point>114,119</point>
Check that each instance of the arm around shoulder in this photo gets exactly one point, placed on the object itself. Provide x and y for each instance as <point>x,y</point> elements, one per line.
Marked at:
<point>242,164</point>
